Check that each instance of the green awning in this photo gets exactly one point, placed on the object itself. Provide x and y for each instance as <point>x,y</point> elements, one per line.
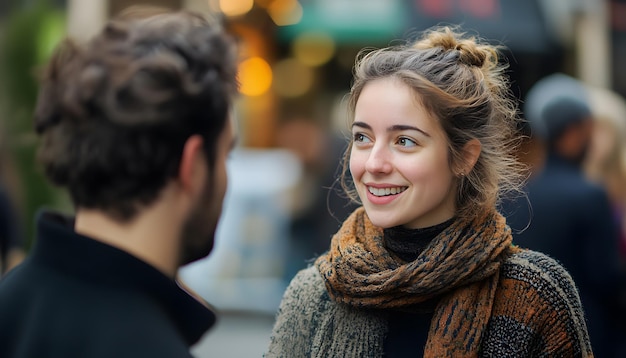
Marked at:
<point>352,21</point>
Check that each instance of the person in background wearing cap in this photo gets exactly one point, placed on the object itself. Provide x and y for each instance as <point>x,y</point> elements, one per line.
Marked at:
<point>136,124</point>
<point>569,218</point>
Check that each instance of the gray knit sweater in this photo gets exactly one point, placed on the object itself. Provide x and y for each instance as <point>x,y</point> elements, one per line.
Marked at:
<point>536,313</point>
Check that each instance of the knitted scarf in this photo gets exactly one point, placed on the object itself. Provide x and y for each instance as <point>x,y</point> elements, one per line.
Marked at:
<point>460,266</point>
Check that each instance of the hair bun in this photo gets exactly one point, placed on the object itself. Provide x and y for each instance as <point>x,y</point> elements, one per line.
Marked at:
<point>465,49</point>
<point>470,55</point>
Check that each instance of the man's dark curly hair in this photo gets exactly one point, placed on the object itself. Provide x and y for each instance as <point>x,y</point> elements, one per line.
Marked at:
<point>114,114</point>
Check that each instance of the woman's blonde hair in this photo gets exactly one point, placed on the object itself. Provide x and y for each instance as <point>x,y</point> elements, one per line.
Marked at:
<point>461,83</point>
<point>609,168</point>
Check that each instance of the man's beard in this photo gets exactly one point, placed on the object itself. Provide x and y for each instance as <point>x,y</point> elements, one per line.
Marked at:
<point>198,231</point>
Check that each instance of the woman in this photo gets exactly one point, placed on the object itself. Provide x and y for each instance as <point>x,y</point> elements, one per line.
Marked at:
<point>426,267</point>
<point>605,162</point>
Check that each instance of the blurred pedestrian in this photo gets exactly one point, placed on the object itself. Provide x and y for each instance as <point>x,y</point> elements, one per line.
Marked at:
<point>426,267</point>
<point>569,218</point>
<point>136,125</point>
<point>605,162</point>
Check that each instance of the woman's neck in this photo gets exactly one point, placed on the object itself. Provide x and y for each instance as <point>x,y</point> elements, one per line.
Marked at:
<point>408,244</point>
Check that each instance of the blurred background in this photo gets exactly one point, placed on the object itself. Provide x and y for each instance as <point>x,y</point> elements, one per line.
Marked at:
<point>283,203</point>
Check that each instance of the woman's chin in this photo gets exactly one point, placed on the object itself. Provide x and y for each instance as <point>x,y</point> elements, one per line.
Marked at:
<point>382,221</point>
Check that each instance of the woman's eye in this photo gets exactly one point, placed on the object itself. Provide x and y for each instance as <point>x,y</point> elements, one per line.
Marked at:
<point>360,137</point>
<point>406,142</point>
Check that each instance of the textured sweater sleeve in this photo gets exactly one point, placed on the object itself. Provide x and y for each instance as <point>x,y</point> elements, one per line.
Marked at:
<point>296,320</point>
<point>537,312</point>
<point>309,324</point>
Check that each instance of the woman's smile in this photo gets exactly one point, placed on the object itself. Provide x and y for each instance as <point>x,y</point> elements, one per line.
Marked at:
<point>384,195</point>
<point>386,191</point>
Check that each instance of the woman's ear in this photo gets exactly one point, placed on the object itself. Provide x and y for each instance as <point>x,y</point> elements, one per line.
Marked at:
<point>470,154</point>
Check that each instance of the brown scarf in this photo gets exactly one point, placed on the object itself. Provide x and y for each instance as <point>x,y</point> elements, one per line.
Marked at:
<point>461,266</point>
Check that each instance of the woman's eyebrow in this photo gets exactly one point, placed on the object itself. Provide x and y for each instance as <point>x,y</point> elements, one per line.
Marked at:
<point>394,128</point>
<point>362,125</point>
<point>403,127</point>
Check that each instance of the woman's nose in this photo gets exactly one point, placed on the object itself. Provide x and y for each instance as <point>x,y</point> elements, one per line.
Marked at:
<point>379,160</point>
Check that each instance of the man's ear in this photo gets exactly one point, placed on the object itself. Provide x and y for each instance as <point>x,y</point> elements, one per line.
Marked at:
<point>471,152</point>
<point>192,168</point>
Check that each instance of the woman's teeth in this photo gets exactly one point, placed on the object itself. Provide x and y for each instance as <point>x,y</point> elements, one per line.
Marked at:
<point>386,191</point>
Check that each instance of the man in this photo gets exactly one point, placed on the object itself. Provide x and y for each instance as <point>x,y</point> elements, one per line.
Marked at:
<point>569,218</point>
<point>136,125</point>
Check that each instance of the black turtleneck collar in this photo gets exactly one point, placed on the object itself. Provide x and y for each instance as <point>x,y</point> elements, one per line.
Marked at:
<point>60,248</point>
<point>407,244</point>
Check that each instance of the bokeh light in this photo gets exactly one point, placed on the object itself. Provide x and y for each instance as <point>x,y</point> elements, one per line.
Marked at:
<point>233,7</point>
<point>285,12</point>
<point>292,78</point>
<point>255,76</point>
<point>314,48</point>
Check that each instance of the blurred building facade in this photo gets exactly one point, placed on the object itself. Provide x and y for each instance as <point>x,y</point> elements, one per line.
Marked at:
<point>297,54</point>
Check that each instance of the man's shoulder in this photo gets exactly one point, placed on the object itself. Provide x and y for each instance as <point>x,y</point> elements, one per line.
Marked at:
<point>56,293</point>
<point>95,322</point>
<point>23,279</point>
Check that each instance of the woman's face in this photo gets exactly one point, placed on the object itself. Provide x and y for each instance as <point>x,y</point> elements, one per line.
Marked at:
<point>399,158</point>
